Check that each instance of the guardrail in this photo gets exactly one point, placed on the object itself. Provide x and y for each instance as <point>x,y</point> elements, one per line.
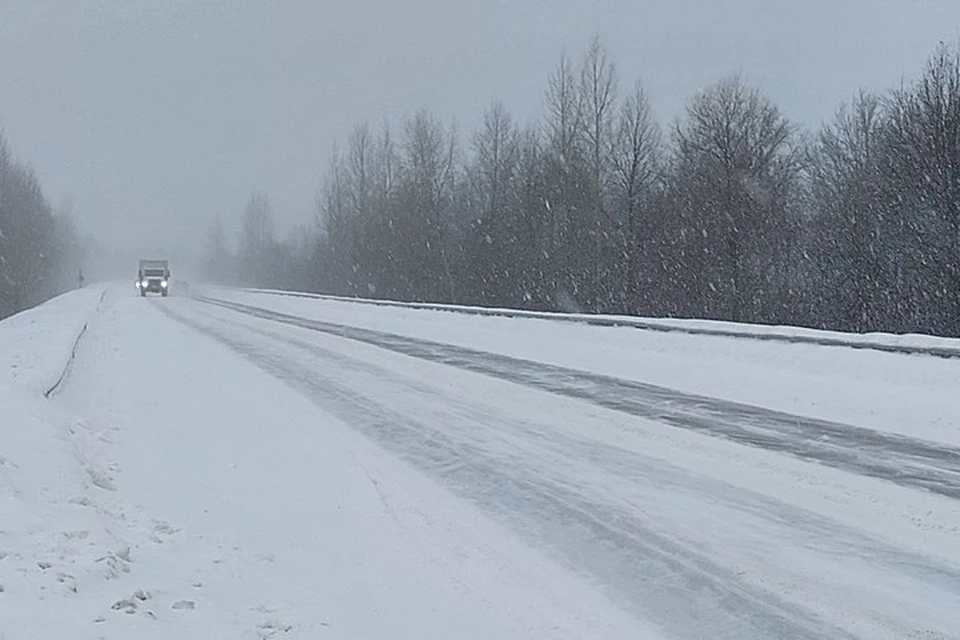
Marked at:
<point>913,344</point>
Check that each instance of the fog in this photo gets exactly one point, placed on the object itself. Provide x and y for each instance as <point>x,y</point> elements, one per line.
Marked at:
<point>145,119</point>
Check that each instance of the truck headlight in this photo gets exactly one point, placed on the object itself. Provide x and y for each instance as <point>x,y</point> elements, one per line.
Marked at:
<point>164,284</point>
<point>144,283</point>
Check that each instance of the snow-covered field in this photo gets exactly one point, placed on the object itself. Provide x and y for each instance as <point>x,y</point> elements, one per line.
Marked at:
<point>296,468</point>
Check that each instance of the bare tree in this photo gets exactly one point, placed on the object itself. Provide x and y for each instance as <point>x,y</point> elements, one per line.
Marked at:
<point>358,188</point>
<point>495,201</point>
<point>423,222</point>
<point>636,159</point>
<point>536,286</point>
<point>598,88</point>
<point>736,216</point>
<point>29,256</point>
<point>739,163</point>
<point>257,245</point>
<point>846,187</point>
<point>566,185</point>
<point>217,259</point>
<point>924,167</point>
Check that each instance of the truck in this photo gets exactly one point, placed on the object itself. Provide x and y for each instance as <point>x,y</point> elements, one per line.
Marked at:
<point>153,277</point>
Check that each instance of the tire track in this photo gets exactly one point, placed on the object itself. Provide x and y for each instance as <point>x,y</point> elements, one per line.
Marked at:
<point>644,567</point>
<point>899,459</point>
<point>662,326</point>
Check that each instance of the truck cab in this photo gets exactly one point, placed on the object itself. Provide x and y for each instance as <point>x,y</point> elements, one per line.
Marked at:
<point>153,276</point>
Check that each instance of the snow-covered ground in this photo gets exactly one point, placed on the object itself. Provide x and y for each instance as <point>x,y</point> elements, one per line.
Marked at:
<point>911,395</point>
<point>894,343</point>
<point>206,471</point>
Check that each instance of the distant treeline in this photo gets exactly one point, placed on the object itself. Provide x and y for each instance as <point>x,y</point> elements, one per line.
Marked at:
<point>732,212</point>
<point>39,251</point>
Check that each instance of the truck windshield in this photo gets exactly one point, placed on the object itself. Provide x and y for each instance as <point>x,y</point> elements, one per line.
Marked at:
<point>154,273</point>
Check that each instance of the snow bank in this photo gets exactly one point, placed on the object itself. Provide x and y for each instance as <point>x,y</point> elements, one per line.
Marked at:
<point>895,343</point>
<point>63,533</point>
<point>231,506</point>
<point>251,512</point>
<point>554,469</point>
<point>77,558</point>
<point>62,536</point>
<point>37,345</point>
<point>912,395</point>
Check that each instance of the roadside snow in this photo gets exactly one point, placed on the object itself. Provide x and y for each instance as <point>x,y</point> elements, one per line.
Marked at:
<point>36,344</point>
<point>906,394</point>
<point>217,502</point>
<point>682,527</point>
<point>717,328</point>
<point>64,536</point>
<point>234,477</point>
<point>64,543</point>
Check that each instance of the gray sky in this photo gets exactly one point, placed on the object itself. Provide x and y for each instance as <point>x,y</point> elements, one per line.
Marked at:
<point>152,116</point>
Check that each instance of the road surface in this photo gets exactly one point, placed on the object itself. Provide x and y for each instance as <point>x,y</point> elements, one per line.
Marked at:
<point>322,470</point>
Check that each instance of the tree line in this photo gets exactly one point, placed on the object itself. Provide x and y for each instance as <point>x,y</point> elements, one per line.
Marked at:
<point>39,251</point>
<point>730,212</point>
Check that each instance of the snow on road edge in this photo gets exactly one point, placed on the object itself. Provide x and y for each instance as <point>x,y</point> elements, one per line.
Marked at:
<point>919,344</point>
<point>66,535</point>
<point>909,395</point>
<point>37,345</point>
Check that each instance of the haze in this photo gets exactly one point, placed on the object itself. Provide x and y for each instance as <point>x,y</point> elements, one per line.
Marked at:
<point>146,119</point>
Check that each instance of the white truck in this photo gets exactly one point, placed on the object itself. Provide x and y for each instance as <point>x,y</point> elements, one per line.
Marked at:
<point>153,276</point>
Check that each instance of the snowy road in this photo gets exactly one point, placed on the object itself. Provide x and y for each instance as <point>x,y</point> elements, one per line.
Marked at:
<point>897,458</point>
<point>323,472</point>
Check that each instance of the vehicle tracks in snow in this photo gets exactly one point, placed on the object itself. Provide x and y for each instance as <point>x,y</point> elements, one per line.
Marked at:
<point>906,461</point>
<point>527,479</point>
<point>646,571</point>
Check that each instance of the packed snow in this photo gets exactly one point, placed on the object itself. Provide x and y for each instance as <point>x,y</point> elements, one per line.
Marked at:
<point>198,471</point>
<point>896,343</point>
<point>910,395</point>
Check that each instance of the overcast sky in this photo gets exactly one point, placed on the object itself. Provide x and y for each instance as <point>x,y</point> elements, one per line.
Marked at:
<point>152,116</point>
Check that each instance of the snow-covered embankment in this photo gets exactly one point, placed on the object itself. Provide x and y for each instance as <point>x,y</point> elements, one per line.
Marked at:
<point>62,531</point>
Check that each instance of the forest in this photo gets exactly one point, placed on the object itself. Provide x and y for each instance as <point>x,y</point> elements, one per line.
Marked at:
<point>40,251</point>
<point>731,212</point>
